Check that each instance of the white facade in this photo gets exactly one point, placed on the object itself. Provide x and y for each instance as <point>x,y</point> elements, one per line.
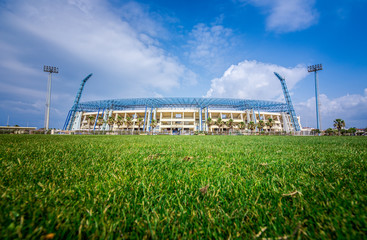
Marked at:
<point>180,120</point>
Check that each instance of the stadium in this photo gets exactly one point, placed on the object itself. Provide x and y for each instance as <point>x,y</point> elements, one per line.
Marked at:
<point>179,115</point>
<point>182,115</point>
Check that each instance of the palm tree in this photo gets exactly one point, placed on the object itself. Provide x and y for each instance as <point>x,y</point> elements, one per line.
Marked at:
<point>230,124</point>
<point>110,122</point>
<point>100,122</point>
<point>209,122</point>
<point>315,131</point>
<point>153,124</point>
<point>241,125</point>
<point>339,124</point>
<point>329,131</point>
<point>90,121</point>
<point>128,121</point>
<point>270,123</point>
<point>251,126</point>
<point>260,125</point>
<point>140,122</point>
<point>119,121</point>
<point>220,124</point>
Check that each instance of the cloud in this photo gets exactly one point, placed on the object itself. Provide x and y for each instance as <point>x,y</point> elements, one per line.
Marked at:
<point>94,34</point>
<point>121,45</point>
<point>208,46</point>
<point>287,16</point>
<point>254,80</point>
<point>351,108</point>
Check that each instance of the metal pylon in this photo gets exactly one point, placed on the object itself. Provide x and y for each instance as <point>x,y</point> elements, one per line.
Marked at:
<point>288,100</point>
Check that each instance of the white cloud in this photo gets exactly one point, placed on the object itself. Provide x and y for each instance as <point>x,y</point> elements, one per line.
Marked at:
<point>254,80</point>
<point>93,33</point>
<point>288,16</point>
<point>208,46</point>
<point>351,108</point>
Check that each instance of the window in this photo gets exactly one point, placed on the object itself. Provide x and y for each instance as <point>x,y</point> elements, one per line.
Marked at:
<point>224,116</point>
<point>178,115</point>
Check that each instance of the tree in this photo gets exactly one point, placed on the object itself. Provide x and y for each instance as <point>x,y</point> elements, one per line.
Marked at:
<point>119,121</point>
<point>261,125</point>
<point>90,120</point>
<point>209,122</point>
<point>153,124</point>
<point>100,122</point>
<point>241,125</point>
<point>270,123</point>
<point>110,122</point>
<point>315,131</point>
<point>230,124</point>
<point>352,130</point>
<point>129,122</point>
<point>339,124</point>
<point>220,124</point>
<point>251,126</point>
<point>329,131</point>
<point>140,122</point>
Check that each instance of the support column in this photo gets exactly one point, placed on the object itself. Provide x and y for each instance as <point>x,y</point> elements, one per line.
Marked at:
<point>150,118</point>
<point>201,119</point>
<point>95,121</point>
<point>116,116</point>
<point>285,122</point>
<point>253,116</point>
<point>145,118</point>
<point>206,119</point>
<point>194,120</point>
<point>258,113</point>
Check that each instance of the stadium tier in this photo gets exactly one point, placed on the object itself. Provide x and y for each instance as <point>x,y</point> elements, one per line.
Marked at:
<point>178,115</point>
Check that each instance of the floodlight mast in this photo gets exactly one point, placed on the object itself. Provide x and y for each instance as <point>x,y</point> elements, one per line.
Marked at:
<point>50,70</point>
<point>315,68</point>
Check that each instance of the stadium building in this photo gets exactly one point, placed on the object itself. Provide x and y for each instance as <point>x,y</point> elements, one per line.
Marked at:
<point>179,115</point>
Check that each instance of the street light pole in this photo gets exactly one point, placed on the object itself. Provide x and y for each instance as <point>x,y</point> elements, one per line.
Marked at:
<point>50,70</point>
<point>315,68</point>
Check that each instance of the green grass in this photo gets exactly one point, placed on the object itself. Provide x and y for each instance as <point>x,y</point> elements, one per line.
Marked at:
<point>148,187</point>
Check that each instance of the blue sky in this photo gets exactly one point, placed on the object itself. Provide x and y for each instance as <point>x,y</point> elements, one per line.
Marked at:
<point>183,49</point>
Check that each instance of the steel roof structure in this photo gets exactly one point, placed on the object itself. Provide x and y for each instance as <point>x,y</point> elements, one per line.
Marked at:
<point>212,103</point>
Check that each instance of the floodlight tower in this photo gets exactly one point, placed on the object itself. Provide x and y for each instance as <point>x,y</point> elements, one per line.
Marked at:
<point>315,68</point>
<point>50,70</point>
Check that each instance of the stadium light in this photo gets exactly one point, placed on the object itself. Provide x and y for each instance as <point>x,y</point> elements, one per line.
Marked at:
<point>315,68</point>
<point>50,70</point>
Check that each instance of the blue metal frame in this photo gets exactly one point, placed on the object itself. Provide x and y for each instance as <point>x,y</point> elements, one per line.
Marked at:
<point>288,100</point>
<point>213,103</point>
<point>70,118</point>
<point>198,103</point>
<point>67,120</point>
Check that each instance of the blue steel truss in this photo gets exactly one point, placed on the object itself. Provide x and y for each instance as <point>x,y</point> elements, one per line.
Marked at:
<point>212,103</point>
<point>289,102</point>
<point>198,103</point>
<point>73,110</point>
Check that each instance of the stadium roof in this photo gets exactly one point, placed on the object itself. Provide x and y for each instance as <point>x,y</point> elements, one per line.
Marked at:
<point>212,103</point>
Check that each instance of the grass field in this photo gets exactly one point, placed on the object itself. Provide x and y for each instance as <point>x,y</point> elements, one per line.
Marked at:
<point>189,187</point>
